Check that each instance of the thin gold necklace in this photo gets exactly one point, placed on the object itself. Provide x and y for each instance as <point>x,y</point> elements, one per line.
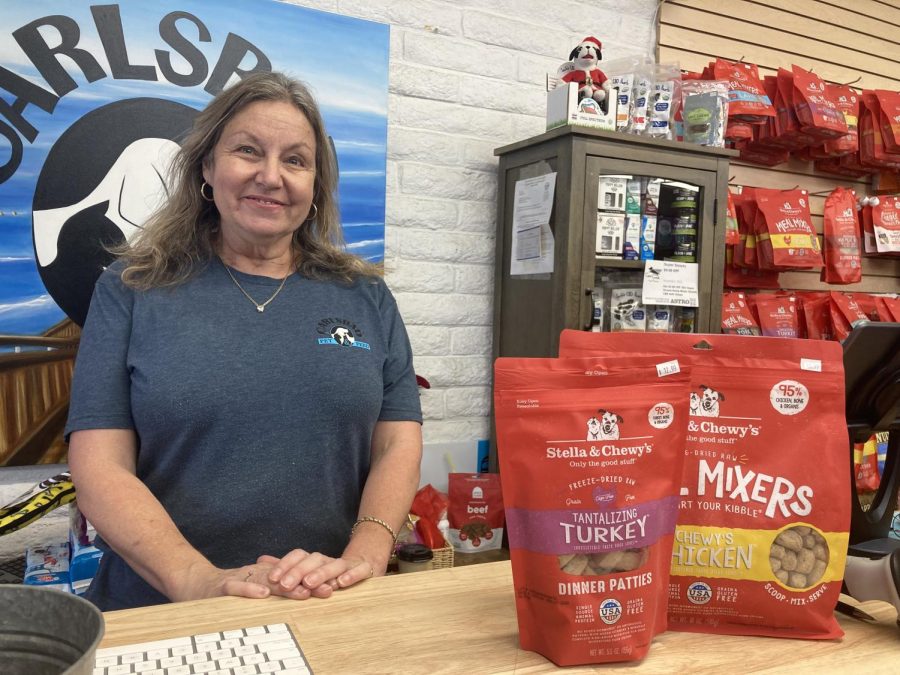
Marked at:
<point>260,307</point>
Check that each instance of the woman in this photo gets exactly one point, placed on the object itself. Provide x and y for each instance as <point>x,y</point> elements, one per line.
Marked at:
<point>244,393</point>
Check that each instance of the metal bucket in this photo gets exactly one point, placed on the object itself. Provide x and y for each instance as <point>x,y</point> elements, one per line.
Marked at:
<point>47,632</point>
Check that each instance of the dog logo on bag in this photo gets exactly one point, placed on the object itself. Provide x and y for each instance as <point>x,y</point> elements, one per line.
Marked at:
<point>706,403</point>
<point>695,404</point>
<point>606,428</point>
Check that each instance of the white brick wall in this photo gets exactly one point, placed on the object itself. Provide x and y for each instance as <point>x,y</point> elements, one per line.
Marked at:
<point>466,76</point>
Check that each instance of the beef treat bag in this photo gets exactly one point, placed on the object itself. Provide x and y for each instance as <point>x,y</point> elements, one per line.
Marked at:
<point>761,539</point>
<point>475,512</point>
<point>590,453</point>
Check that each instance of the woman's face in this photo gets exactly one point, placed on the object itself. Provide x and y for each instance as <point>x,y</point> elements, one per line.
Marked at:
<point>262,172</point>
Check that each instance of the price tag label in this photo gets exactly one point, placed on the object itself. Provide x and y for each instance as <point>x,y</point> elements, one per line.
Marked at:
<point>812,365</point>
<point>667,368</point>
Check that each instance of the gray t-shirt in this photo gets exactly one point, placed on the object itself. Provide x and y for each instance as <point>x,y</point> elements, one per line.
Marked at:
<point>253,429</point>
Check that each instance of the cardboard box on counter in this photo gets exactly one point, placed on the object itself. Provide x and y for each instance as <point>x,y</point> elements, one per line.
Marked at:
<point>563,107</point>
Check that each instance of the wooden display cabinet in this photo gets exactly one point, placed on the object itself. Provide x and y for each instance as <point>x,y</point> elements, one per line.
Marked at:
<point>531,311</point>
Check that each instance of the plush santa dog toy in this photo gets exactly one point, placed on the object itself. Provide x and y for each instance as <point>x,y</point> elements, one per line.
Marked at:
<point>582,69</point>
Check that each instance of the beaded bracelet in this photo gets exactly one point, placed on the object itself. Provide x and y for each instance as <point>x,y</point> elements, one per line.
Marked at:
<point>373,519</point>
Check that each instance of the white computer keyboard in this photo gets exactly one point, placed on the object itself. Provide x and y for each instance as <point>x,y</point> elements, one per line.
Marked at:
<point>271,648</point>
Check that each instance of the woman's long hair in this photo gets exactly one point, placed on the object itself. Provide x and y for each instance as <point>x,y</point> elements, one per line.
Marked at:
<point>181,236</point>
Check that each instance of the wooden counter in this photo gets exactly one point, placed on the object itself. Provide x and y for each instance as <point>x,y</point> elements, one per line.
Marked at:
<point>463,620</point>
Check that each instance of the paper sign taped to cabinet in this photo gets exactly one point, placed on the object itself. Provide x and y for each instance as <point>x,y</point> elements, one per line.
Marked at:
<point>670,283</point>
<point>532,240</point>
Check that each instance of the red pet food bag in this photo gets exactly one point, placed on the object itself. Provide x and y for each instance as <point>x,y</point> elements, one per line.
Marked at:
<point>817,318</point>
<point>889,119</point>
<point>475,512</point>
<point>841,239</point>
<point>762,533</point>
<point>777,316</point>
<point>590,458</point>
<point>886,224</point>
<point>788,126</point>
<point>790,240</point>
<point>747,99</point>
<point>732,233</point>
<point>736,315</point>
<point>845,313</point>
<point>847,102</point>
<point>888,308</point>
<point>818,115</point>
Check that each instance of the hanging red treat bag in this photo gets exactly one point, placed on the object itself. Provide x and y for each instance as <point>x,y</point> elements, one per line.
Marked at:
<point>790,240</point>
<point>736,315</point>
<point>841,239</point>
<point>745,209</point>
<point>475,513</point>
<point>833,166</point>
<point>778,316</point>
<point>873,151</point>
<point>766,134</point>
<point>816,112</point>
<point>732,232</point>
<point>590,483</point>
<point>743,277</point>
<point>888,308</point>
<point>847,102</point>
<point>804,297</point>
<point>845,313</point>
<point>867,305</point>
<point>869,246</point>
<point>788,126</point>
<point>817,317</point>
<point>886,224</point>
<point>764,157</point>
<point>747,100</point>
<point>762,533</point>
<point>889,119</point>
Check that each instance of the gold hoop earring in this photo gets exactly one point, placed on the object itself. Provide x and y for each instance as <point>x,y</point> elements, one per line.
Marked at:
<point>316,215</point>
<point>203,193</point>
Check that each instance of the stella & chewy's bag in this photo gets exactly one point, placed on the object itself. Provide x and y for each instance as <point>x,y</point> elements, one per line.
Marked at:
<point>736,315</point>
<point>789,240</point>
<point>475,512</point>
<point>841,239</point>
<point>590,486</point>
<point>763,520</point>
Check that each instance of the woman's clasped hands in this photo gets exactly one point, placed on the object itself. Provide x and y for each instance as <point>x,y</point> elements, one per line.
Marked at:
<point>298,575</point>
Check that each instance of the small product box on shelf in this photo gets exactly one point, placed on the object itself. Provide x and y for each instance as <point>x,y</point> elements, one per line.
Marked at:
<point>563,107</point>
<point>610,230</point>
<point>611,193</point>
<point>632,247</point>
<point>648,237</point>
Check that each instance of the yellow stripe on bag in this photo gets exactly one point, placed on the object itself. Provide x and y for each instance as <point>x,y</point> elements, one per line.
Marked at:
<point>725,553</point>
<point>792,241</point>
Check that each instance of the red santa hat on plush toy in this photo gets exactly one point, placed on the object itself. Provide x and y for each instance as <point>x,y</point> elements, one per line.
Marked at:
<point>582,69</point>
<point>588,51</point>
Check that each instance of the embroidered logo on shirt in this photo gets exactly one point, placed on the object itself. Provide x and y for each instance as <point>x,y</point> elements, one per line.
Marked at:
<point>341,333</point>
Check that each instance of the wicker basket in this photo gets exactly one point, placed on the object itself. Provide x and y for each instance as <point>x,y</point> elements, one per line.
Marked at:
<point>443,557</point>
